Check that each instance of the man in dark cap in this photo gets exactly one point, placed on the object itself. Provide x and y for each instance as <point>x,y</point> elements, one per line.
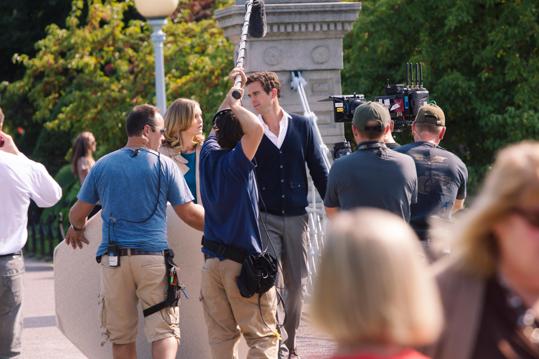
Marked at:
<point>441,174</point>
<point>374,175</point>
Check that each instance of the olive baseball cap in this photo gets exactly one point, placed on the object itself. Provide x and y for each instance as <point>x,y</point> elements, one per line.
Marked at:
<point>430,114</point>
<point>369,112</point>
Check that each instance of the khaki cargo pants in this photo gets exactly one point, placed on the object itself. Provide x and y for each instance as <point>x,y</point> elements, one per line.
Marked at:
<point>228,314</point>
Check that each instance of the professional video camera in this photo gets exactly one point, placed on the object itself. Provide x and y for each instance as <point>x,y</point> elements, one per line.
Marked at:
<point>402,100</point>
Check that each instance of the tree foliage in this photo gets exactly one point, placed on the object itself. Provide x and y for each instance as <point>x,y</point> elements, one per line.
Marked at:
<point>22,23</point>
<point>88,75</point>
<point>482,60</point>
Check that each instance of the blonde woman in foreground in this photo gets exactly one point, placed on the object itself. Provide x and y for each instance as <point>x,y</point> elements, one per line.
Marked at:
<point>183,140</point>
<point>374,294</point>
<point>490,285</point>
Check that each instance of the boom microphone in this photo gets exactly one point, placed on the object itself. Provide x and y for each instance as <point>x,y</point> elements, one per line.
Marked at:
<point>257,21</point>
<point>254,24</point>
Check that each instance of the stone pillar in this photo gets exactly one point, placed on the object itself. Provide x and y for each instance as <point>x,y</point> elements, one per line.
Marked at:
<point>302,35</point>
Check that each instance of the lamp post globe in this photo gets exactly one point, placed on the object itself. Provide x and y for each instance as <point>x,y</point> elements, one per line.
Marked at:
<point>156,11</point>
<point>156,8</point>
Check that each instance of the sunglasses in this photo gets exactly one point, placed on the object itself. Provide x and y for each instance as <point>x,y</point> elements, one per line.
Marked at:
<point>530,216</point>
<point>161,131</point>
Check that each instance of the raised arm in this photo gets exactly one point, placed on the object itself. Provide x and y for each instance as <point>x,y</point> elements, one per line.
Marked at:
<point>45,191</point>
<point>249,122</point>
<point>252,129</point>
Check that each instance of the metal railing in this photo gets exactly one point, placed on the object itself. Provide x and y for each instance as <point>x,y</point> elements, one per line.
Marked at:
<point>317,216</point>
<point>316,237</point>
<point>43,234</point>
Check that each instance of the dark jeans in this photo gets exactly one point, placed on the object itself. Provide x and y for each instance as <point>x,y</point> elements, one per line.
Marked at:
<point>11,271</point>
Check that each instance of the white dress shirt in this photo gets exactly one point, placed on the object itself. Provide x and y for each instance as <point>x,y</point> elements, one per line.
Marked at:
<point>283,127</point>
<point>21,180</point>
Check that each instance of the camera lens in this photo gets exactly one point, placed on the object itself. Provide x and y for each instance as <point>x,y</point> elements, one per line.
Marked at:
<point>341,149</point>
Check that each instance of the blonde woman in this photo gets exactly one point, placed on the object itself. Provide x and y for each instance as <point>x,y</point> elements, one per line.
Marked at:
<point>373,293</point>
<point>183,140</point>
<point>82,158</point>
<point>490,285</point>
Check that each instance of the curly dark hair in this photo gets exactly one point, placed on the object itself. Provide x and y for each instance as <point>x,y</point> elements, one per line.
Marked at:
<point>267,79</point>
<point>228,129</point>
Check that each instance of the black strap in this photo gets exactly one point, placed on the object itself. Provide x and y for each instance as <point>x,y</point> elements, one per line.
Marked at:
<point>370,145</point>
<point>173,287</point>
<point>229,252</point>
<point>155,308</point>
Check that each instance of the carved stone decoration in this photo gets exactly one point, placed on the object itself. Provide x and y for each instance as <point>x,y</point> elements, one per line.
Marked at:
<point>273,56</point>
<point>320,54</point>
<point>304,35</point>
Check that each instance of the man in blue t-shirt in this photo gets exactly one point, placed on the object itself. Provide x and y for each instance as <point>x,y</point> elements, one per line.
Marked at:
<point>133,185</point>
<point>231,232</point>
<point>441,175</point>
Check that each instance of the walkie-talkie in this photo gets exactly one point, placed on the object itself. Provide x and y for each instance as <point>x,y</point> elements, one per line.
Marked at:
<point>113,252</point>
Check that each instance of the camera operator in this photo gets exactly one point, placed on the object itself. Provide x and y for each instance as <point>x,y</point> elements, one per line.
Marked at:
<point>231,235</point>
<point>374,175</point>
<point>441,174</point>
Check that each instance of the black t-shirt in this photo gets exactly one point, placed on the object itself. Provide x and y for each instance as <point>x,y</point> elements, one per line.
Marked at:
<point>441,177</point>
<point>373,176</point>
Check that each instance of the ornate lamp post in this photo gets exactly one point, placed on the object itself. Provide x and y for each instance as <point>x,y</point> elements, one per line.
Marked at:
<point>156,12</point>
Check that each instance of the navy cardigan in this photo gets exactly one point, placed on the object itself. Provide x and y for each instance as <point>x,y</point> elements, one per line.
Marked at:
<point>281,173</point>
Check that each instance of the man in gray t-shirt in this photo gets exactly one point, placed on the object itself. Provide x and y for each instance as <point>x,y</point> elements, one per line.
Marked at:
<point>374,175</point>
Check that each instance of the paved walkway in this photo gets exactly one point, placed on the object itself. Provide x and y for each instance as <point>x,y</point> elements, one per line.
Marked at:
<point>42,339</point>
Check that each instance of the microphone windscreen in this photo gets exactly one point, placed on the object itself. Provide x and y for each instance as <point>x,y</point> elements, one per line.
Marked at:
<point>257,21</point>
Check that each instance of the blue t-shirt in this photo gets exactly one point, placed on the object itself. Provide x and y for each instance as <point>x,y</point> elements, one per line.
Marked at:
<point>190,176</point>
<point>230,197</point>
<point>441,179</point>
<point>126,186</point>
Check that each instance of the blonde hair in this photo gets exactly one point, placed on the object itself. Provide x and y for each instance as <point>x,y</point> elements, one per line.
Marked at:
<point>513,178</point>
<point>373,285</point>
<point>178,118</point>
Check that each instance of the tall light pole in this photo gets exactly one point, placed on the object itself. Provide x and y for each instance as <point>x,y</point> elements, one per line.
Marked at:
<point>156,12</point>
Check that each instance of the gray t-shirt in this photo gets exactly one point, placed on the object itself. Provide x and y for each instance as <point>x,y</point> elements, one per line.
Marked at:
<point>373,176</point>
<point>442,179</point>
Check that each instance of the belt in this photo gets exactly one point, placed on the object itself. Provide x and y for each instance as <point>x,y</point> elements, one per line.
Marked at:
<point>19,253</point>
<point>132,252</point>
<point>229,252</point>
<point>137,252</point>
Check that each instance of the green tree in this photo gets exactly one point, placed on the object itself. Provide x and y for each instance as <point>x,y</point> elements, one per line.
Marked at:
<point>482,59</point>
<point>88,75</point>
<point>22,23</point>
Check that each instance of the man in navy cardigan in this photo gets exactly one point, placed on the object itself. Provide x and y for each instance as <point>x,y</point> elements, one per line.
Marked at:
<point>288,143</point>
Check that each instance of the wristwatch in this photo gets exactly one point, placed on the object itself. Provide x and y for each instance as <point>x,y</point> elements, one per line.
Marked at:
<point>76,228</point>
